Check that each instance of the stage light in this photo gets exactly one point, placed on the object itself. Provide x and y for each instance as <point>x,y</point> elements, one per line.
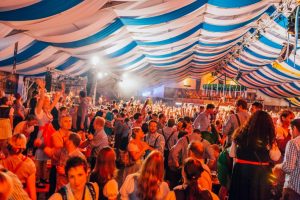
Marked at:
<point>124,76</point>
<point>100,75</point>
<point>95,60</point>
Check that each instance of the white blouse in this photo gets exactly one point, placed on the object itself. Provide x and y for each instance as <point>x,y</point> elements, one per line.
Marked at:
<point>129,190</point>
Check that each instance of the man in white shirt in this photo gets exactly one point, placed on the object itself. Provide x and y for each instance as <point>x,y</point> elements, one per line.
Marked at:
<point>202,122</point>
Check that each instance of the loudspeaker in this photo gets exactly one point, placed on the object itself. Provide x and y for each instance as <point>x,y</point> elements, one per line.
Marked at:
<point>10,86</point>
<point>48,80</point>
<point>198,84</point>
<point>91,81</point>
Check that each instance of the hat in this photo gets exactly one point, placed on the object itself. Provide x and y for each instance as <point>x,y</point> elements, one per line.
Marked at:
<point>18,141</point>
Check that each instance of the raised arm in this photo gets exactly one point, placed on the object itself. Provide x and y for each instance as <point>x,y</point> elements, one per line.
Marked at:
<point>39,105</point>
<point>57,95</point>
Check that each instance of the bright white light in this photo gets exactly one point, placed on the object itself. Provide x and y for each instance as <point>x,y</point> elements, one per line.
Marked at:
<point>128,84</point>
<point>100,75</point>
<point>146,94</point>
<point>178,104</point>
<point>95,60</point>
<point>105,73</point>
<point>124,76</point>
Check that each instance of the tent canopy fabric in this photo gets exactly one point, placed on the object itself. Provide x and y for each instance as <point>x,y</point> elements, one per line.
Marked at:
<point>159,40</point>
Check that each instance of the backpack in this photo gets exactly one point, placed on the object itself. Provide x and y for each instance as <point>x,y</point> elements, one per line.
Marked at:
<point>63,191</point>
<point>224,168</point>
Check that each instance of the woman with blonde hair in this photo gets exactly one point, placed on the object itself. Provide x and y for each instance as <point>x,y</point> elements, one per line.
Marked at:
<point>147,184</point>
<point>21,165</point>
<point>44,117</point>
<point>104,174</point>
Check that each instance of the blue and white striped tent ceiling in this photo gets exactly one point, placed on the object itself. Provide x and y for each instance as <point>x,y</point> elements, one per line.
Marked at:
<point>159,40</point>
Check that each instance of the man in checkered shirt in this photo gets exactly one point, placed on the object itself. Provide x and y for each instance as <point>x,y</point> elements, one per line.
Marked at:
<point>291,164</point>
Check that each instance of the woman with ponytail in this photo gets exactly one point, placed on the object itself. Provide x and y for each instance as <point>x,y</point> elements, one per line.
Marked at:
<point>147,184</point>
<point>190,189</point>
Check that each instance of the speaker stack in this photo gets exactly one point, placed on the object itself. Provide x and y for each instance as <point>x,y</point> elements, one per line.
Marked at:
<point>48,80</point>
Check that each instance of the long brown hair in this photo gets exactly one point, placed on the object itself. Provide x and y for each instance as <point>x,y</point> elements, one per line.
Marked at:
<point>257,132</point>
<point>193,170</point>
<point>151,176</point>
<point>105,168</point>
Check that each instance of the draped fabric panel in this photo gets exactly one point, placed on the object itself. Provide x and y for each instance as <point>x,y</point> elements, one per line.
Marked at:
<point>161,41</point>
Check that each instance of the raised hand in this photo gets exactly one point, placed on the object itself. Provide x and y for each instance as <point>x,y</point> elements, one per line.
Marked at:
<point>63,87</point>
<point>41,83</point>
<point>57,95</point>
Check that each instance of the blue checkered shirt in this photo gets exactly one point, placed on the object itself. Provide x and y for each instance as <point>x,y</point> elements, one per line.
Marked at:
<point>291,165</point>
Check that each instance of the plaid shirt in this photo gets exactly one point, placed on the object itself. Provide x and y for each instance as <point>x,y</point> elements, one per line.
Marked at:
<point>291,165</point>
<point>156,140</point>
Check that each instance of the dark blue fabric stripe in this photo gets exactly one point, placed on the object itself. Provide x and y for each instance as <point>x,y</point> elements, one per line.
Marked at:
<point>173,53</point>
<point>116,25</point>
<point>266,77</point>
<point>42,9</point>
<point>232,3</point>
<point>67,63</point>
<point>171,40</point>
<point>291,63</point>
<point>295,86</point>
<point>275,92</point>
<point>210,54</point>
<point>172,62</point>
<point>270,43</point>
<point>270,95</point>
<point>259,55</point>
<point>219,28</point>
<point>281,73</point>
<point>123,50</point>
<point>249,83</point>
<point>285,90</point>
<point>218,44</point>
<point>248,64</point>
<point>35,48</point>
<point>282,21</point>
<point>133,62</point>
<point>165,17</point>
<point>258,81</point>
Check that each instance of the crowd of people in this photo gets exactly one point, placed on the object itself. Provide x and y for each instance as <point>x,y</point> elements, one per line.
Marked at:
<point>147,151</point>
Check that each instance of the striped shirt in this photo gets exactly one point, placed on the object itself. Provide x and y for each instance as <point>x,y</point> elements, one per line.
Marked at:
<point>18,193</point>
<point>291,165</point>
